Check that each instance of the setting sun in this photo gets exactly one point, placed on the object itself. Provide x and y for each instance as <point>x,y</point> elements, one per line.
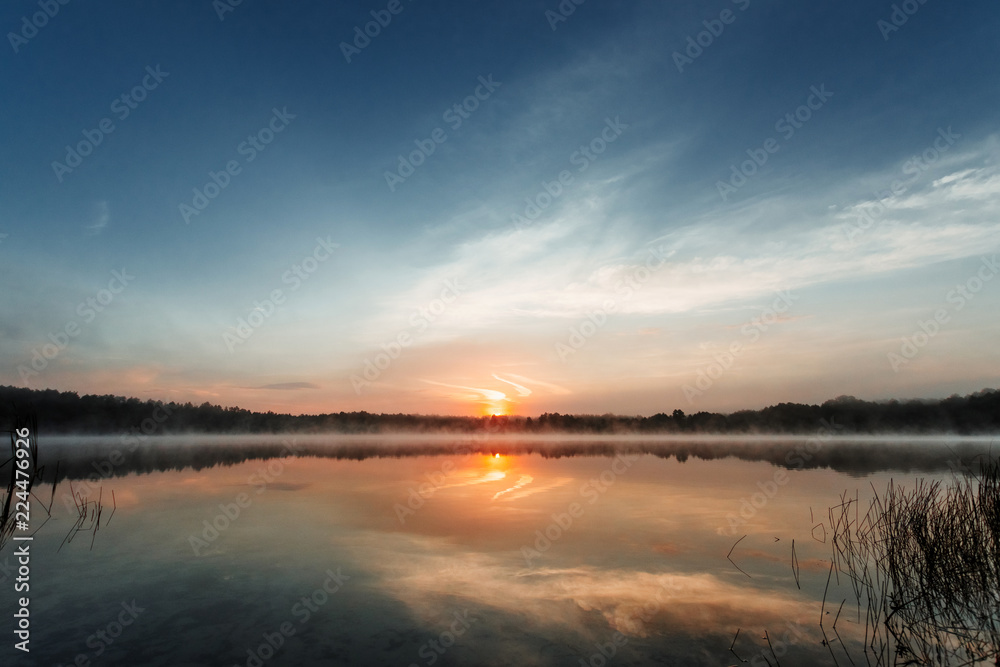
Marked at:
<point>495,409</point>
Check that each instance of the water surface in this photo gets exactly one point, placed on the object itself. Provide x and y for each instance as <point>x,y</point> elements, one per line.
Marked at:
<point>436,551</point>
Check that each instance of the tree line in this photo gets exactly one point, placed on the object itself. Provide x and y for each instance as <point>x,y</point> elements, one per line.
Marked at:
<point>67,412</point>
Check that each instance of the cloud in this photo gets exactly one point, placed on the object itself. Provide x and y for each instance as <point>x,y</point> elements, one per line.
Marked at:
<point>489,394</point>
<point>288,386</point>
<point>568,264</point>
<point>551,388</point>
<point>421,571</point>
<point>521,390</point>
<point>101,219</point>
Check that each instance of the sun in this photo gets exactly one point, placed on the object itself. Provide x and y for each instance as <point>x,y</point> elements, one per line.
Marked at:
<point>495,409</point>
<point>495,461</point>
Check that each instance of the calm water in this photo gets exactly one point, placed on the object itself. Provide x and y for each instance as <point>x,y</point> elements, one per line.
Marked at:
<point>477,553</point>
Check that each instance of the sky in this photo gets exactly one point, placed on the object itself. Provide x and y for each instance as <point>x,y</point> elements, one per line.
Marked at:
<point>500,208</point>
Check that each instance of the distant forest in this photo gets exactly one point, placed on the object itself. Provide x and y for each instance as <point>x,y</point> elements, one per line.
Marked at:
<point>67,412</point>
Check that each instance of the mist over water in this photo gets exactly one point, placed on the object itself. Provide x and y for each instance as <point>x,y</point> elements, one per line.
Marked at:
<point>82,456</point>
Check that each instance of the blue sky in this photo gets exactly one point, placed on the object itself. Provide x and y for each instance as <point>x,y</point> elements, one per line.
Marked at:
<point>626,293</point>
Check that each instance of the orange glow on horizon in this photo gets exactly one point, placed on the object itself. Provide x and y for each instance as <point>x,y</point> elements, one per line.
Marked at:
<point>496,409</point>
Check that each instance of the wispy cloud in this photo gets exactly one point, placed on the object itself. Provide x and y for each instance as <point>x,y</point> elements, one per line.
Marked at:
<point>521,390</point>
<point>719,260</point>
<point>289,386</point>
<point>471,393</point>
<point>102,216</point>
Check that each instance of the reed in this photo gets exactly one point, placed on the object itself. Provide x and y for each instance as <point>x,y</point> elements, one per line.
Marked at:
<point>17,488</point>
<point>924,565</point>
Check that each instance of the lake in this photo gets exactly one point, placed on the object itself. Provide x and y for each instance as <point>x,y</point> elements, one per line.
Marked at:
<point>441,550</point>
